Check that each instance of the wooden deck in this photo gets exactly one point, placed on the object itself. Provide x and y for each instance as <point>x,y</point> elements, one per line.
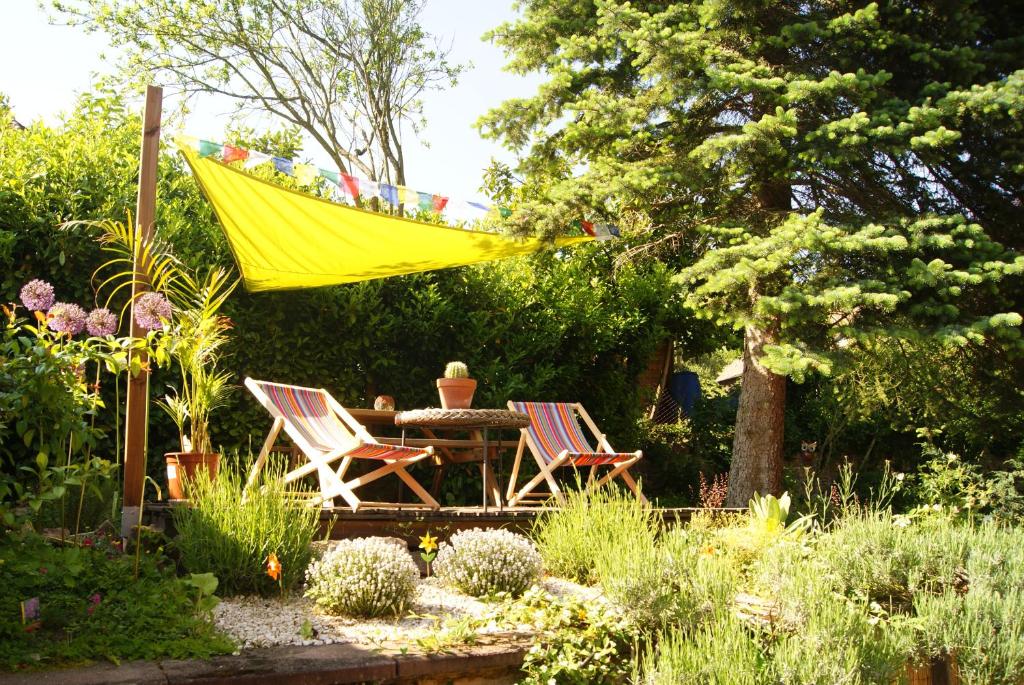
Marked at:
<point>410,523</point>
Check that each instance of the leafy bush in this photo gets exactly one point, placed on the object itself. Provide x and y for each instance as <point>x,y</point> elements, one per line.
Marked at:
<point>231,533</point>
<point>577,642</point>
<point>93,607</point>
<point>592,525</point>
<point>365,577</point>
<point>948,481</point>
<point>487,562</point>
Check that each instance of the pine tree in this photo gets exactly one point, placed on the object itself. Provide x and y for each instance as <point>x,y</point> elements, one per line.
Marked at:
<point>821,171</point>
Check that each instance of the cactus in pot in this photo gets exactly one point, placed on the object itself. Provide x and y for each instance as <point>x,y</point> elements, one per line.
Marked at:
<point>456,388</point>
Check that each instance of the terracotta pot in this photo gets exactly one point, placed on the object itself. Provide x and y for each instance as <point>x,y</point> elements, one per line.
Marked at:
<point>183,466</point>
<point>456,393</point>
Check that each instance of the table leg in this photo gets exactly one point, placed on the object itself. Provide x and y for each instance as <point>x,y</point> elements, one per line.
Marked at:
<point>487,459</point>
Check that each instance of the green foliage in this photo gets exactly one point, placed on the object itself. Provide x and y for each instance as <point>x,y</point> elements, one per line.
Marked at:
<point>349,73</point>
<point>825,175</point>
<point>578,642</point>
<point>565,326</point>
<point>945,481</point>
<point>723,651</point>
<point>93,607</point>
<point>231,533</point>
<point>592,525</point>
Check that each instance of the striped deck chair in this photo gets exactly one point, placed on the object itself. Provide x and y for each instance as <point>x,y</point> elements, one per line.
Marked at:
<point>555,439</point>
<point>326,433</point>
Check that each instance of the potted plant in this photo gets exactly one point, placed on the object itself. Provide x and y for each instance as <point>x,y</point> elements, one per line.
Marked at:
<point>196,336</point>
<point>456,388</point>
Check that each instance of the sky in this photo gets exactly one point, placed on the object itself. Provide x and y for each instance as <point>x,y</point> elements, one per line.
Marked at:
<point>43,67</point>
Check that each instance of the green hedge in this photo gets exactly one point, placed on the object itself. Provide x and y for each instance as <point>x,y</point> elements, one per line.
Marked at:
<point>555,326</point>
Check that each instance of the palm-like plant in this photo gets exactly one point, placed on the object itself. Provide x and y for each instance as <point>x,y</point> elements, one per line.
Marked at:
<point>194,337</point>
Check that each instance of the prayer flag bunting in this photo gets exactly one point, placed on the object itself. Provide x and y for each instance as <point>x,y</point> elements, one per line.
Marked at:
<point>206,148</point>
<point>389,193</point>
<point>306,174</point>
<point>283,165</point>
<point>425,201</point>
<point>255,159</point>
<point>354,186</point>
<point>408,196</point>
<point>350,184</point>
<point>233,154</point>
<point>369,188</point>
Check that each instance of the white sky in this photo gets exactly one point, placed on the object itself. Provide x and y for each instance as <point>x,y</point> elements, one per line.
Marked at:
<point>43,67</point>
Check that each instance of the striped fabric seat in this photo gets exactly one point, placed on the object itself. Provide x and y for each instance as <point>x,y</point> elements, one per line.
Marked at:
<point>331,439</point>
<point>307,412</point>
<point>554,429</point>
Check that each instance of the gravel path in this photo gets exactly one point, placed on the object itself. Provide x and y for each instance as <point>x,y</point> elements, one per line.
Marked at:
<point>262,622</point>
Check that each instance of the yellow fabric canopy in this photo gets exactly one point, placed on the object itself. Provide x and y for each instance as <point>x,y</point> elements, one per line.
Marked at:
<point>283,239</point>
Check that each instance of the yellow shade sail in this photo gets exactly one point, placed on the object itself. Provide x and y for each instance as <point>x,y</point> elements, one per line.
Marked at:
<point>283,239</point>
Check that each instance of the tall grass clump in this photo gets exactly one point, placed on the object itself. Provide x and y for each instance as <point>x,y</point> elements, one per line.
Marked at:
<point>231,535</point>
<point>591,527</point>
<point>721,651</point>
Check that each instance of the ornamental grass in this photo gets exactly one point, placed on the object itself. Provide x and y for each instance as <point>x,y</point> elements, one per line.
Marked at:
<point>232,536</point>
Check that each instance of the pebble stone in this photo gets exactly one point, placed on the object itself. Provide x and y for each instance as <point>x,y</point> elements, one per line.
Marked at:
<point>254,621</point>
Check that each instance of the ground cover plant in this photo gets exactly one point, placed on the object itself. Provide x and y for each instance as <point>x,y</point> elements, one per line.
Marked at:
<point>365,577</point>
<point>86,601</point>
<point>485,563</point>
<point>773,597</point>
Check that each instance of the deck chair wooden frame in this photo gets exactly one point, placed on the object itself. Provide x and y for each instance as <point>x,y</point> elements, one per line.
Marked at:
<point>341,438</point>
<point>548,462</point>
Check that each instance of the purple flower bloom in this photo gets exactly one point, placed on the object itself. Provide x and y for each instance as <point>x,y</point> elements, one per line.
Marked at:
<point>37,295</point>
<point>101,321</point>
<point>151,310</point>
<point>64,317</point>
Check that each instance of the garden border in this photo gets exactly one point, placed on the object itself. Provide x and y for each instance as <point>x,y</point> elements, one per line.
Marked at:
<point>497,661</point>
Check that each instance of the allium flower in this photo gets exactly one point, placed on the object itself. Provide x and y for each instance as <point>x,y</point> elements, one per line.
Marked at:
<point>65,317</point>
<point>37,295</point>
<point>151,310</point>
<point>101,322</point>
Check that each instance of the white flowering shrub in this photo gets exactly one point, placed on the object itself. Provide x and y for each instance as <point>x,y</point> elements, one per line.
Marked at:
<point>366,577</point>
<point>486,562</point>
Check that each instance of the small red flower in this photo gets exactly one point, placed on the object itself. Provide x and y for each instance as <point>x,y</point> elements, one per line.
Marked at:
<point>87,542</point>
<point>43,570</point>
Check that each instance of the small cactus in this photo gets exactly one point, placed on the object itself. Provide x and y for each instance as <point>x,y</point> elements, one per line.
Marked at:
<point>456,370</point>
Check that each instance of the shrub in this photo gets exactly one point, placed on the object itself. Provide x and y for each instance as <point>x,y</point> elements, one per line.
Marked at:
<point>366,577</point>
<point>577,642</point>
<point>94,605</point>
<point>591,525</point>
<point>488,562</point>
<point>232,535</point>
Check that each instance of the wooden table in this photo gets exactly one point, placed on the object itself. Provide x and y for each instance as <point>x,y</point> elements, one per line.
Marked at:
<point>476,420</point>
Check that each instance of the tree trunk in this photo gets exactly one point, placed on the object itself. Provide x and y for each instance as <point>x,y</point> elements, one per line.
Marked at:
<point>757,445</point>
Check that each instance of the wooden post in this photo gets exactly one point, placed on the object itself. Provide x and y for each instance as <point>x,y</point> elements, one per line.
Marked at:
<point>137,404</point>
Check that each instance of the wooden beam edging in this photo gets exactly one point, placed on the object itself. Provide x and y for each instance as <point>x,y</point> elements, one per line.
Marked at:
<point>496,662</point>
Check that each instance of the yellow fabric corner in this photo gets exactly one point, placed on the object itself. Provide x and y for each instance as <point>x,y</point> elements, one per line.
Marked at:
<point>283,239</point>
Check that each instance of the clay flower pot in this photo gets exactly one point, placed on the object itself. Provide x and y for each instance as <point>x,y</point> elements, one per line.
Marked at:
<point>456,393</point>
<point>183,466</point>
